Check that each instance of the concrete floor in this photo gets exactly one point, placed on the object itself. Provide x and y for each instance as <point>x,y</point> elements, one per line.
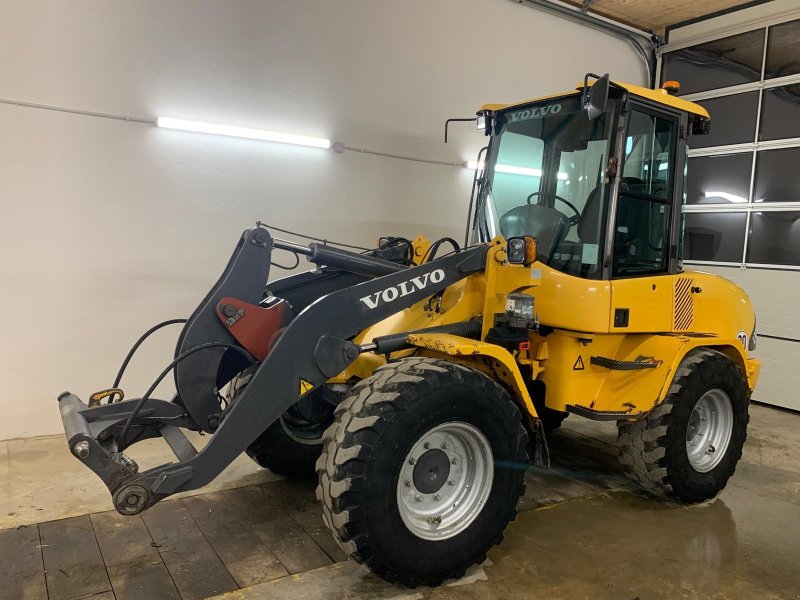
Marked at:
<point>41,481</point>
<point>583,530</point>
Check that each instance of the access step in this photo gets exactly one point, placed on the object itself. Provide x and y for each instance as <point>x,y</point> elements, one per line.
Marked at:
<point>600,415</point>
<point>625,365</point>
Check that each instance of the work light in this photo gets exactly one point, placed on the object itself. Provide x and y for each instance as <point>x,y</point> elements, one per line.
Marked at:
<point>521,250</point>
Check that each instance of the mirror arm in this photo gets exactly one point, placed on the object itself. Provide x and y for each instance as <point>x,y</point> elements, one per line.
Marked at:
<point>585,93</point>
<point>597,97</point>
<point>448,121</point>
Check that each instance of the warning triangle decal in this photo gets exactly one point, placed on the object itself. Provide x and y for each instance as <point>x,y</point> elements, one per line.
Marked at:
<point>305,386</point>
<point>578,366</point>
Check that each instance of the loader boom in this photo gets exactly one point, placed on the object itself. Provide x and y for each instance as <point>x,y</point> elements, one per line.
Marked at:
<point>312,349</point>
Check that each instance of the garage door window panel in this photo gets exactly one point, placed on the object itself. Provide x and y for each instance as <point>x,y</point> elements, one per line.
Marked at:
<point>774,238</point>
<point>780,112</point>
<point>714,236</point>
<point>717,64</point>
<point>777,176</point>
<point>733,120</point>
<point>719,179</point>
<point>783,57</point>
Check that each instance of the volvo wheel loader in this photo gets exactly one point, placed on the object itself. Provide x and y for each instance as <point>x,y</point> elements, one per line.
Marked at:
<point>419,381</point>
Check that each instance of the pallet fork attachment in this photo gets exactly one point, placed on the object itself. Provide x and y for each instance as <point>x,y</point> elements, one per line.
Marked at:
<point>312,348</point>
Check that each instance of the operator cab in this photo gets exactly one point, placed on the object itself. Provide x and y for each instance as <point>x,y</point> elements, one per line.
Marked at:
<point>599,182</point>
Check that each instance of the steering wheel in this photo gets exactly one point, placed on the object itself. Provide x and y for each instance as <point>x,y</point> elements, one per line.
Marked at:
<point>574,219</point>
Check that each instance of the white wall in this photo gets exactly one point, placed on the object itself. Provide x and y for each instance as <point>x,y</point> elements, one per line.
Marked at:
<point>109,226</point>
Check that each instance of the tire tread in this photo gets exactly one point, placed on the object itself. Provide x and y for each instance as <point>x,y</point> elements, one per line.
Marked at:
<point>642,444</point>
<point>373,404</point>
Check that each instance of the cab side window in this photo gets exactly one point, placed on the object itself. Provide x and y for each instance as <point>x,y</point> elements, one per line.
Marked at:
<point>641,237</point>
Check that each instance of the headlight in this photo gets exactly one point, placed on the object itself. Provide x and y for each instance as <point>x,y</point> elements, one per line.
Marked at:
<point>521,250</point>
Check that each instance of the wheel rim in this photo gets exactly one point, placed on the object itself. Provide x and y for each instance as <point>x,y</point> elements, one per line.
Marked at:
<point>445,480</point>
<point>709,431</point>
<point>308,436</point>
<point>304,430</point>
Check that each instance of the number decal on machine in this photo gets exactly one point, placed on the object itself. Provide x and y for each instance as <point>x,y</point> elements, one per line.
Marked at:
<point>742,337</point>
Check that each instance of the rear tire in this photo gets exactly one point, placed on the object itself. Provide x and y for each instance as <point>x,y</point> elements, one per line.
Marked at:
<point>705,409</point>
<point>374,501</point>
<point>285,447</point>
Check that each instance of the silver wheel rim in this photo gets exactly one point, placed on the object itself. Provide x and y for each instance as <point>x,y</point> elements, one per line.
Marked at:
<point>310,440</point>
<point>709,431</point>
<point>437,503</point>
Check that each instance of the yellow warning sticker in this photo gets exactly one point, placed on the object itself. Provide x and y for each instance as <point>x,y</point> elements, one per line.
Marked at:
<point>578,366</point>
<point>305,386</point>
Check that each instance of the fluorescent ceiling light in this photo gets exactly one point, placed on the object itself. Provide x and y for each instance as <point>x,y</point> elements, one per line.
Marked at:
<point>473,164</point>
<point>511,169</point>
<point>518,170</point>
<point>726,196</point>
<point>242,132</point>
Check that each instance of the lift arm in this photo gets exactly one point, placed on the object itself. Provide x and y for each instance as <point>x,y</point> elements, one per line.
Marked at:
<point>313,348</point>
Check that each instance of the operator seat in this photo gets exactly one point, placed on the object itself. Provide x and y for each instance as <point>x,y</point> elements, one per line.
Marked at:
<point>548,225</point>
<point>637,225</point>
<point>568,257</point>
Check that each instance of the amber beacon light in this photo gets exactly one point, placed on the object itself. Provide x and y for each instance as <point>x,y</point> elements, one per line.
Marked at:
<point>672,87</point>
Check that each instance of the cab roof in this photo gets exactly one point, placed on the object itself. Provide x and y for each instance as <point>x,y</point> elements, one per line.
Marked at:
<point>660,95</point>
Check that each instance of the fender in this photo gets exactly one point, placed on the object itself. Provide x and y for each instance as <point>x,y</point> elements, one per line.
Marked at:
<point>732,348</point>
<point>485,357</point>
<point>499,364</point>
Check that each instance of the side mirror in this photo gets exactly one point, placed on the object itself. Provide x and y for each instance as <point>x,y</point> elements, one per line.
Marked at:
<point>597,98</point>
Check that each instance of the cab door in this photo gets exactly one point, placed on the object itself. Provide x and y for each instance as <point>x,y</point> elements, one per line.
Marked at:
<point>641,282</point>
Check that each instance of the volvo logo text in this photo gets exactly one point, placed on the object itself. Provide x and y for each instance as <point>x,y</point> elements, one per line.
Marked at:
<point>534,113</point>
<point>404,288</point>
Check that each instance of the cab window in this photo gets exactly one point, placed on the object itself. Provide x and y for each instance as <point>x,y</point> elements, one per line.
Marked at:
<point>642,230</point>
<point>545,178</point>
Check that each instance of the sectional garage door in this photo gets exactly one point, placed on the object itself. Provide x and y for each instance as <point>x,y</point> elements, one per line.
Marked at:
<point>742,212</point>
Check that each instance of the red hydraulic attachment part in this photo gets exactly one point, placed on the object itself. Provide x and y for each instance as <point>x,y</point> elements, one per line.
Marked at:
<point>255,327</point>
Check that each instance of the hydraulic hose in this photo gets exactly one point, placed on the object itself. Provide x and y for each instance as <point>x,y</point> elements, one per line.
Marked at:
<point>138,343</point>
<point>143,400</point>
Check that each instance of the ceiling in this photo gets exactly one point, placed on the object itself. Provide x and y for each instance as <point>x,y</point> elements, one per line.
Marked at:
<point>655,15</point>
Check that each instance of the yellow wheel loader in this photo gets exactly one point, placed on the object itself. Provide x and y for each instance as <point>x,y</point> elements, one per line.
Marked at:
<point>420,380</point>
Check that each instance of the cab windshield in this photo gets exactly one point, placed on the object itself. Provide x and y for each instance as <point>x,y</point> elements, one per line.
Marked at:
<point>545,178</point>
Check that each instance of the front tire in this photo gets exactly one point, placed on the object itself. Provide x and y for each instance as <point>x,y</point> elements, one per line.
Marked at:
<point>422,469</point>
<point>688,446</point>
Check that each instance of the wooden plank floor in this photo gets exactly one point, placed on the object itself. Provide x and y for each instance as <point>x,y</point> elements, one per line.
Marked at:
<point>222,541</point>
